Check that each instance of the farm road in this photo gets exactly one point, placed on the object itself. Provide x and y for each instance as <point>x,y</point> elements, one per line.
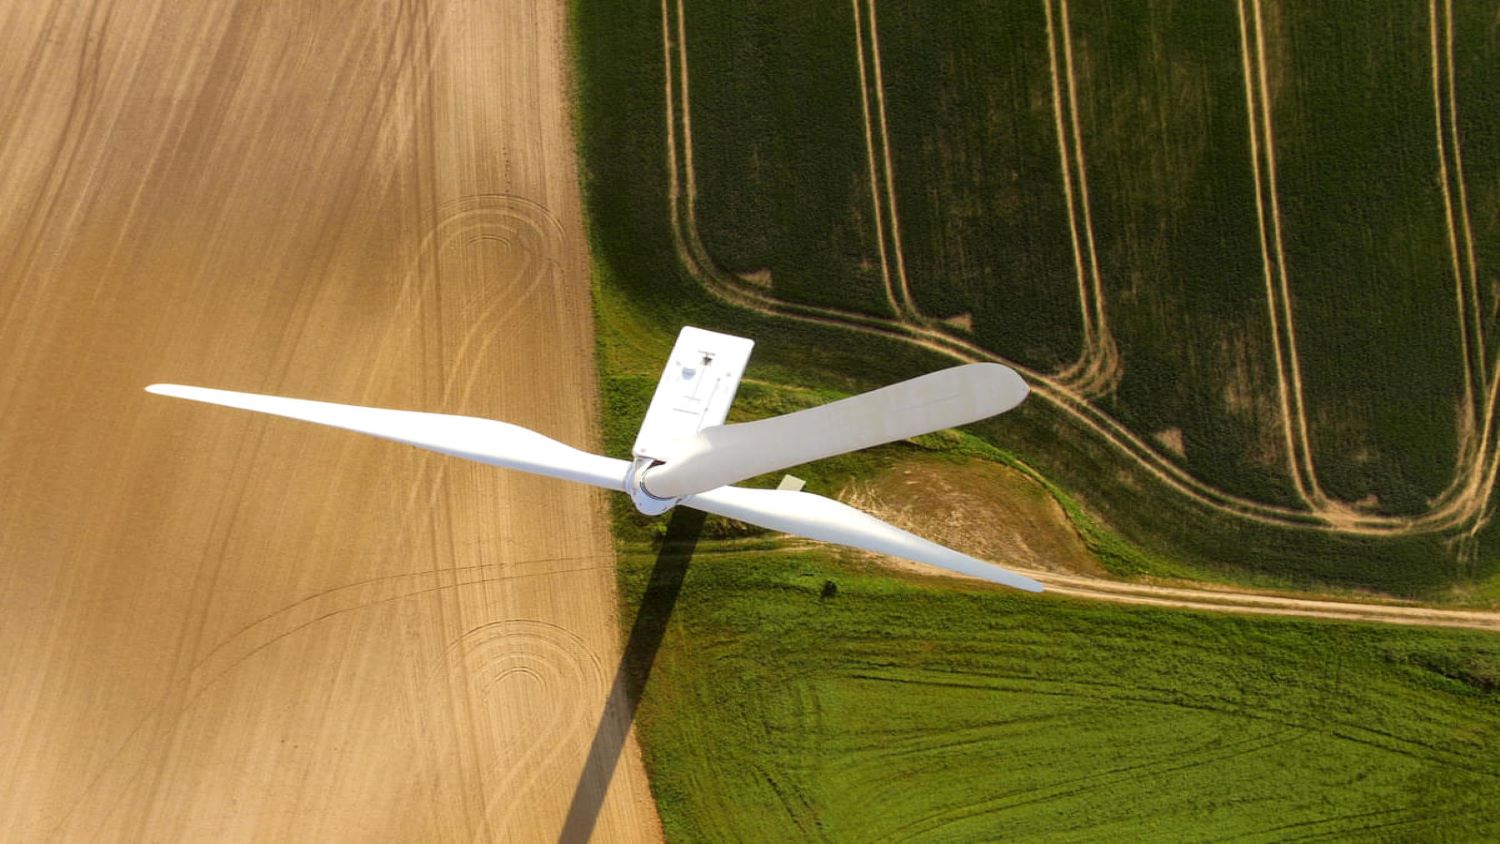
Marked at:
<point>1254,603</point>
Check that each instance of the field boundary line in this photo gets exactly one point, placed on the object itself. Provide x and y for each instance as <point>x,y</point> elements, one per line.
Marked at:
<point>1216,598</point>
<point>1086,313</point>
<point>1463,190</point>
<point>674,190</point>
<point>1461,283</point>
<point>1253,603</point>
<point>1282,387</point>
<point>1220,598</point>
<point>689,172</point>
<point>1465,289</point>
<point>1295,367</point>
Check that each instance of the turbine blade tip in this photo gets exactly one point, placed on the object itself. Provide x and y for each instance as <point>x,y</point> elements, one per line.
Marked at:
<point>173,390</point>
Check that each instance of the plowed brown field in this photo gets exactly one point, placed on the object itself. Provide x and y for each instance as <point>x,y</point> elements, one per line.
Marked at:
<point>217,626</point>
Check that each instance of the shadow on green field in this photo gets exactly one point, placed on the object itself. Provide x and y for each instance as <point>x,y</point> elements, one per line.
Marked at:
<point>645,639</point>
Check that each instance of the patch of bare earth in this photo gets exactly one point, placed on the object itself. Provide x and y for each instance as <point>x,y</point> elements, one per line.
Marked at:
<point>1171,440</point>
<point>225,627</point>
<point>982,509</point>
<point>963,322</point>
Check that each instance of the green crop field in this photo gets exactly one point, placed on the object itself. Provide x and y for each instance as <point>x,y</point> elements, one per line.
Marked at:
<point>787,694</point>
<point>894,706</point>
<point>1245,251</point>
<point>893,710</point>
<point>985,227</point>
<point>774,199</point>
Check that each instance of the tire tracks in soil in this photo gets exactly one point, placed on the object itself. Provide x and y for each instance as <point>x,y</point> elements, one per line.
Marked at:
<point>1452,516</point>
<point>1098,369</point>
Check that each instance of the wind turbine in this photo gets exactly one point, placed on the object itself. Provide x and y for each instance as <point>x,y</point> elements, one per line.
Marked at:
<point>684,454</point>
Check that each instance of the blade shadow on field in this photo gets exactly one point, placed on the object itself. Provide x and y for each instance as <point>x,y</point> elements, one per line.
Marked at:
<point>639,654</point>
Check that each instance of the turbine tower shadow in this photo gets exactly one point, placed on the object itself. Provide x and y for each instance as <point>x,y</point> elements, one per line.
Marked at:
<point>645,639</point>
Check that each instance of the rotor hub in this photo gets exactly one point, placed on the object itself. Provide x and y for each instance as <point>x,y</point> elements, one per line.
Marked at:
<point>643,500</point>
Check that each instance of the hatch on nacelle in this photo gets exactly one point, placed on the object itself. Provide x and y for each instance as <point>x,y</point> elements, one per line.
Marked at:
<point>696,389</point>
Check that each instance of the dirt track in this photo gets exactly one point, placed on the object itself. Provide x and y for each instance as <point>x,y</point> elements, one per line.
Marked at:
<point>220,627</point>
<point>1236,601</point>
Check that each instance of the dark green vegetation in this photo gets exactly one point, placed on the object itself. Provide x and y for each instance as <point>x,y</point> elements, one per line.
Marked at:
<point>1172,197</point>
<point>778,191</point>
<point>1367,248</point>
<point>985,224</point>
<point>784,185</point>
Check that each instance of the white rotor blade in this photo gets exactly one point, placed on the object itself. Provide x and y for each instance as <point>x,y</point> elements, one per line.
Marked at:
<point>482,440</point>
<point>724,454</point>
<point>824,519</point>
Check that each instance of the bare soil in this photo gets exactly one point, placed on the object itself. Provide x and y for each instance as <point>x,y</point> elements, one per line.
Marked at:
<point>989,511</point>
<point>221,627</point>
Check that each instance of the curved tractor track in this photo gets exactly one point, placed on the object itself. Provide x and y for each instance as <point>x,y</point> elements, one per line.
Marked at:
<point>1463,507</point>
